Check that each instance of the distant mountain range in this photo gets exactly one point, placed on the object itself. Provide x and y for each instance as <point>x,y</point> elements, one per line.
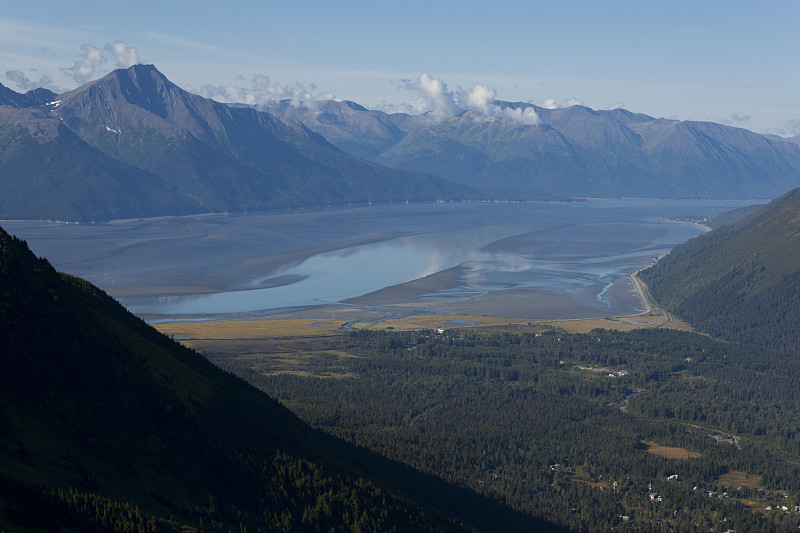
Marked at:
<point>740,282</point>
<point>573,151</point>
<point>133,144</point>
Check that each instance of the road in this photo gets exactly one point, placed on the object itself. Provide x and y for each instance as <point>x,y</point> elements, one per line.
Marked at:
<point>647,298</point>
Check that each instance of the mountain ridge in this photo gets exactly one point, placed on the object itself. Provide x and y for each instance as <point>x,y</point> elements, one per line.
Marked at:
<point>571,151</point>
<point>145,147</point>
<point>211,156</point>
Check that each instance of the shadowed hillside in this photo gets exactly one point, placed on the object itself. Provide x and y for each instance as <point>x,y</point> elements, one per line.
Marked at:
<point>107,425</point>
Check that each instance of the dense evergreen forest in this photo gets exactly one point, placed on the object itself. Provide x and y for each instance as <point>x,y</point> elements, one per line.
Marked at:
<point>740,282</point>
<point>565,427</point>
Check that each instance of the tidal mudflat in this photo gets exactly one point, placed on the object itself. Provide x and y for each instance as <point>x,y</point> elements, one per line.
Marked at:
<point>533,260</point>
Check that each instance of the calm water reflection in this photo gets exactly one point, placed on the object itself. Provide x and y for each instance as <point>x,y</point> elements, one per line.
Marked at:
<point>583,250</point>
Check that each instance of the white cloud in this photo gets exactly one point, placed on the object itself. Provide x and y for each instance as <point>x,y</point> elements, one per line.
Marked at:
<point>618,105</point>
<point>550,103</point>
<point>87,66</point>
<point>24,84</point>
<point>94,60</point>
<point>481,97</point>
<point>525,115</point>
<point>435,99</point>
<point>432,97</point>
<point>125,56</point>
<point>263,92</point>
<point>569,102</point>
<point>791,128</point>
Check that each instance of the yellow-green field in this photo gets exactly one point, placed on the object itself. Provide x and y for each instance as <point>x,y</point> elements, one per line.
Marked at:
<point>669,452</point>
<point>201,335</point>
<point>417,322</point>
<point>736,478</point>
<point>626,323</point>
<point>251,329</point>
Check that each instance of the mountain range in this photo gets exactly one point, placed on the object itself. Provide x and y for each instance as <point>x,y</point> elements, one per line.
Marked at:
<point>572,151</point>
<point>133,144</point>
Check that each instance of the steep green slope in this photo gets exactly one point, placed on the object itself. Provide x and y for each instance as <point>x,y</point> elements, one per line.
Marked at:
<point>107,425</point>
<point>739,282</point>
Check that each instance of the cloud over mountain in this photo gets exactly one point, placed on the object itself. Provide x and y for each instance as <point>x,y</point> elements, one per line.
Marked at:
<point>434,98</point>
<point>262,91</point>
<point>94,60</point>
<point>550,103</point>
<point>126,56</point>
<point>88,66</point>
<point>23,83</point>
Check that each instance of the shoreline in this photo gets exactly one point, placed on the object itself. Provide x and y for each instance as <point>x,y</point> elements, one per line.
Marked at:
<point>554,249</point>
<point>306,322</point>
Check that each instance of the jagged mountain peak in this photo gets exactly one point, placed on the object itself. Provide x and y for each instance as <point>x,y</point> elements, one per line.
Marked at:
<point>141,86</point>
<point>208,156</point>
<point>141,97</point>
<point>354,105</point>
<point>145,86</point>
<point>134,79</point>
<point>9,97</point>
<point>40,96</point>
<point>34,97</point>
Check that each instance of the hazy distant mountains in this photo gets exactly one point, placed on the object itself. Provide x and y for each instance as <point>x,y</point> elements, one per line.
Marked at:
<point>573,151</point>
<point>133,144</point>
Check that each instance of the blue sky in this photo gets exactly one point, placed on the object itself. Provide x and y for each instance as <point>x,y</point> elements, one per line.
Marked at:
<point>731,62</point>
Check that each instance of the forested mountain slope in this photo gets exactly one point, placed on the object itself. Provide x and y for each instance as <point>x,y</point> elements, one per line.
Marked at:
<point>740,282</point>
<point>107,425</point>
